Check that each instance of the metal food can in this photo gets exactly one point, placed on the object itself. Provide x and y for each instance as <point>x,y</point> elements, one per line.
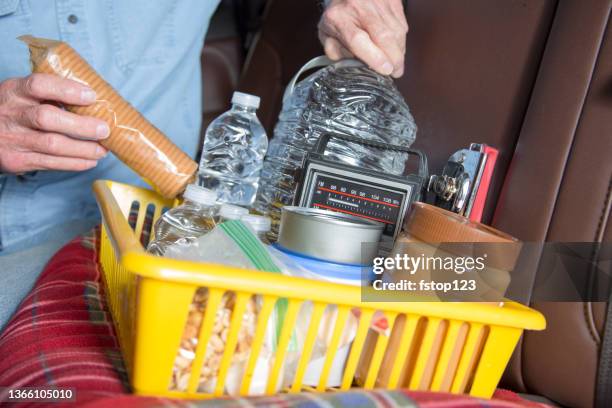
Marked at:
<point>328,235</point>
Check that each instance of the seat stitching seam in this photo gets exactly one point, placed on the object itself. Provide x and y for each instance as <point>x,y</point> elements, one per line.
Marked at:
<point>588,306</point>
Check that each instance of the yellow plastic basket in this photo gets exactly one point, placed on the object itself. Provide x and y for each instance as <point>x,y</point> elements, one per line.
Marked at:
<point>458,347</point>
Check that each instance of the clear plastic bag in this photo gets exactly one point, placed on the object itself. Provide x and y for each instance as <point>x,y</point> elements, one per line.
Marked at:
<point>230,243</point>
<point>133,139</point>
<point>216,347</point>
<point>220,247</point>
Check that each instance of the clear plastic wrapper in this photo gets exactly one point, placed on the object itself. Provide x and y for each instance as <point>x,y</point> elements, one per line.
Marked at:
<point>133,139</point>
<point>343,98</point>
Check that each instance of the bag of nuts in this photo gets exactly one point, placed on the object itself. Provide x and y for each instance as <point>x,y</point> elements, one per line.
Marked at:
<point>222,239</point>
<point>216,345</point>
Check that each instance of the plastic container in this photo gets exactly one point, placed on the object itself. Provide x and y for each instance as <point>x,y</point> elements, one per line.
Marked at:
<point>433,231</point>
<point>345,274</point>
<point>345,98</point>
<point>183,224</point>
<point>149,298</point>
<point>234,148</point>
<point>313,268</point>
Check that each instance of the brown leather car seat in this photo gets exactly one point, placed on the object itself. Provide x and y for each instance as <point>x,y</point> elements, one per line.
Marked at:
<point>530,78</point>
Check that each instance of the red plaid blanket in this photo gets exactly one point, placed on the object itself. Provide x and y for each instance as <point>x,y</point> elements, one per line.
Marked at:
<point>62,336</point>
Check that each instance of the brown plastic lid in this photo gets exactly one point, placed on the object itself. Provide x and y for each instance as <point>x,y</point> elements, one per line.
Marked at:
<point>432,224</point>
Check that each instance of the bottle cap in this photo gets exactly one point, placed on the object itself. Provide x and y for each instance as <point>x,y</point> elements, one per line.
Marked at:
<point>259,223</point>
<point>232,212</point>
<point>245,99</point>
<point>200,195</point>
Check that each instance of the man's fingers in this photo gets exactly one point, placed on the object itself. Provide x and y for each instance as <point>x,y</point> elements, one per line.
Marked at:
<point>50,118</point>
<point>60,145</point>
<point>41,161</point>
<point>360,44</point>
<point>334,50</point>
<point>373,31</point>
<point>387,30</point>
<point>337,24</point>
<point>392,46</point>
<point>53,88</point>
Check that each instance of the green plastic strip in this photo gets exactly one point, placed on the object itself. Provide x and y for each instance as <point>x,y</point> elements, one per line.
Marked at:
<point>257,253</point>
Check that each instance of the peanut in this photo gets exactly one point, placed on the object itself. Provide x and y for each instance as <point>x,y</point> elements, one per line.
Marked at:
<point>218,338</point>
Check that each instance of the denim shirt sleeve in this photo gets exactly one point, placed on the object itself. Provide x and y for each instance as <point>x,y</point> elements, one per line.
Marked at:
<point>148,50</point>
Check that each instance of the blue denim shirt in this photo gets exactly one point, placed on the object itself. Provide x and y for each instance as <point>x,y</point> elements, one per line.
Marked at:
<point>148,50</point>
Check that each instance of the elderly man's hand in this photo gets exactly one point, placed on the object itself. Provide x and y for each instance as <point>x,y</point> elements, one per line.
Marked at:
<point>37,135</point>
<point>373,31</point>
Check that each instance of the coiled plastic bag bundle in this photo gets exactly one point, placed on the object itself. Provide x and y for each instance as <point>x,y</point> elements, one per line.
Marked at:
<point>344,98</point>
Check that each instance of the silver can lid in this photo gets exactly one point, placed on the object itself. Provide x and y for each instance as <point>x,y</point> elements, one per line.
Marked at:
<point>328,235</point>
<point>332,217</point>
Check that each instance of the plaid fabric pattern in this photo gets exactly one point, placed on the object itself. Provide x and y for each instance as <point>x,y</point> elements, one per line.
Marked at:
<point>62,335</point>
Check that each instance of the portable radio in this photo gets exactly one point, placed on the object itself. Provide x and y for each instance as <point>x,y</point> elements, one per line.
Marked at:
<point>369,194</point>
<point>464,183</point>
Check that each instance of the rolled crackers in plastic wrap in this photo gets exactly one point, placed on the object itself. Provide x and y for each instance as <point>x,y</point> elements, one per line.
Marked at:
<point>133,139</point>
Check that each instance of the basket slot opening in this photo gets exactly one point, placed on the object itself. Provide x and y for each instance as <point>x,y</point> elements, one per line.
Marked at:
<point>211,346</point>
<point>337,338</point>
<point>147,225</point>
<point>470,355</point>
<point>406,346</point>
<point>259,350</point>
<point>358,347</point>
<point>378,347</point>
<point>478,354</point>
<point>198,327</point>
<point>163,211</point>
<point>133,214</point>
<point>428,354</point>
<point>450,353</point>
<point>235,340</point>
<point>286,342</point>
<point>313,313</point>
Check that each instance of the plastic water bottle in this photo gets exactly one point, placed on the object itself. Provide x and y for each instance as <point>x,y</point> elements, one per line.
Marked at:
<point>231,212</point>
<point>344,98</point>
<point>184,224</point>
<point>234,148</point>
<point>260,224</point>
